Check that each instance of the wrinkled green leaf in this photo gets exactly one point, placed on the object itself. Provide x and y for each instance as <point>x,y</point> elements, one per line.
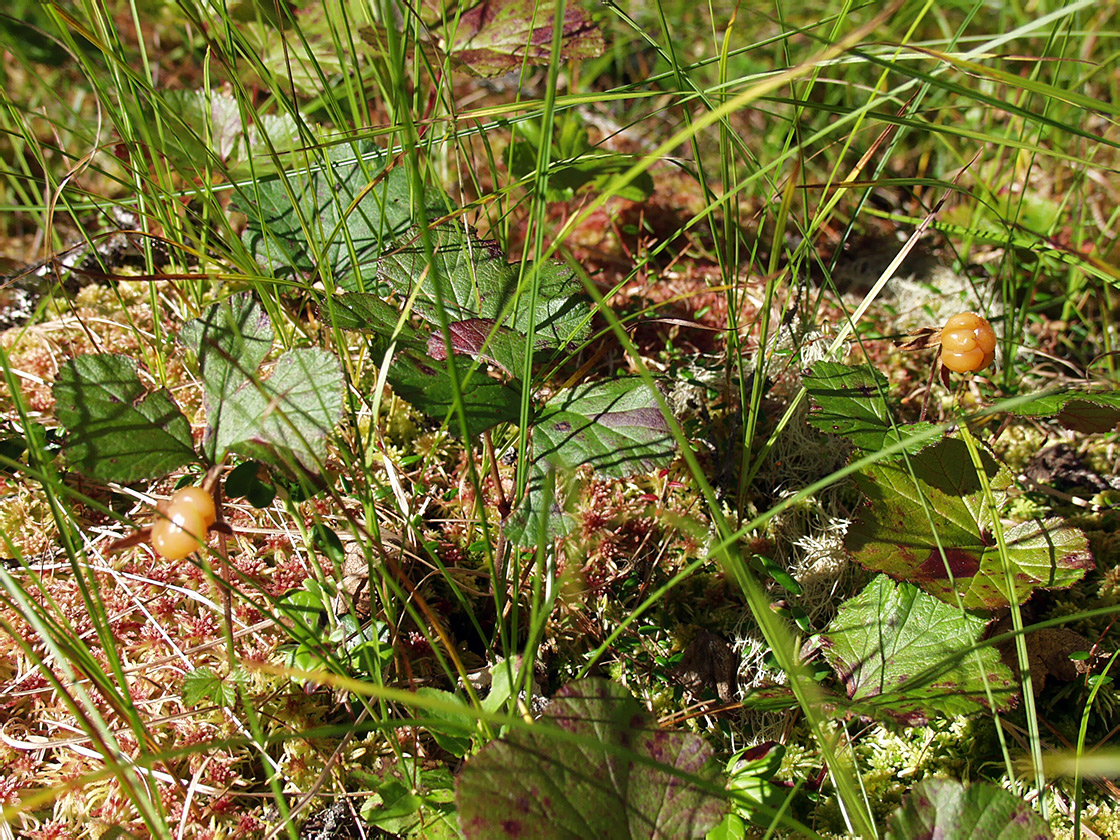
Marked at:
<point>615,426</point>
<point>245,481</point>
<point>451,731</point>
<point>851,402</point>
<point>542,516</point>
<point>365,312</point>
<point>1080,411</point>
<point>756,797</point>
<point>339,215</point>
<point>411,802</point>
<point>474,279</point>
<point>426,383</point>
<point>531,784</point>
<point>497,36</point>
<point>488,310</point>
<point>213,128</point>
<point>473,338</point>
<point>504,681</point>
<point>894,534</point>
<point>948,810</point>
<point>283,420</point>
<point>117,431</point>
<point>418,368</point>
<point>229,340</point>
<point>481,338</point>
<point>202,685</point>
<point>906,654</point>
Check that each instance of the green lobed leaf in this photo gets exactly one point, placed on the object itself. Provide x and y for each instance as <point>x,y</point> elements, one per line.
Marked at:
<point>229,340</point>
<point>1080,411</point>
<point>412,802</point>
<point>365,312</point>
<point>213,128</point>
<point>426,383</point>
<point>245,481</point>
<point>202,685</point>
<point>283,420</point>
<point>946,809</point>
<point>473,338</point>
<point>542,515</point>
<point>614,426</point>
<point>531,784</point>
<point>908,655</point>
<point>338,216</point>
<point>418,369</point>
<point>756,797</point>
<point>850,401</point>
<point>452,731</point>
<point>474,279</point>
<point>117,431</point>
<point>482,339</point>
<point>497,36</point>
<point>894,534</point>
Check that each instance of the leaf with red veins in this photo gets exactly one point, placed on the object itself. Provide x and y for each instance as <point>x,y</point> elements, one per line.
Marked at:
<point>498,36</point>
<point>933,527</point>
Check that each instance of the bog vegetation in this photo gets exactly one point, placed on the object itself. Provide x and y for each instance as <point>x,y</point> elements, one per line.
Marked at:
<point>525,419</point>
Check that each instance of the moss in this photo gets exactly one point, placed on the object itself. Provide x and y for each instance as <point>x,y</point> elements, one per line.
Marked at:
<point>1101,818</point>
<point>1018,444</point>
<point>26,520</point>
<point>891,760</point>
<point>1024,509</point>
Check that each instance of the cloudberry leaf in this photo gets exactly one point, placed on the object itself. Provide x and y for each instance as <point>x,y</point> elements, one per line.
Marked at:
<point>473,278</point>
<point>202,685</point>
<point>614,426</point>
<point>946,809</point>
<point>282,419</point>
<point>337,216</point>
<point>497,36</point>
<point>905,654</point>
<point>851,401</point>
<point>426,383</point>
<point>117,430</point>
<point>485,299</point>
<point>212,134</point>
<point>1081,411</point>
<point>229,341</point>
<point>934,529</point>
<point>532,783</point>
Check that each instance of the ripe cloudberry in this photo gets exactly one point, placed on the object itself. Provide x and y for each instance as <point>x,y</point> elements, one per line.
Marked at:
<point>182,528</point>
<point>968,343</point>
